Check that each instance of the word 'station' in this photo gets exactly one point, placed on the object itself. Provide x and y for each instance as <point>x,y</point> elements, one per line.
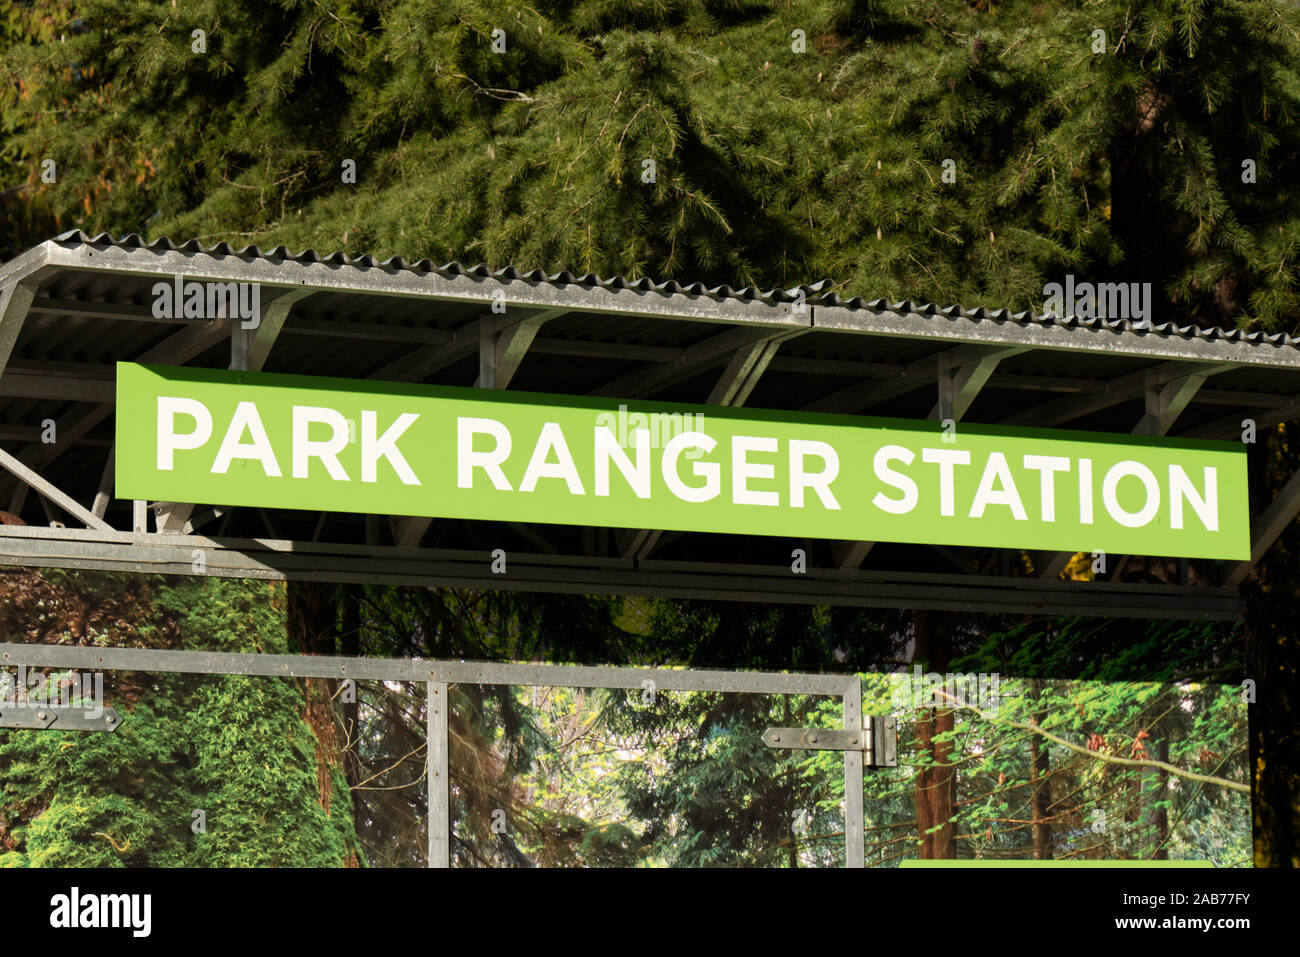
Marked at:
<point>255,439</point>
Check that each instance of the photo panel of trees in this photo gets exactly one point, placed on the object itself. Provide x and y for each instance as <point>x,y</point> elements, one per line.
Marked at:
<point>1018,738</point>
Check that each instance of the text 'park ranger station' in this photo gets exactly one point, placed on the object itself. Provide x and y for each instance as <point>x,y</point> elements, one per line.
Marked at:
<point>290,441</point>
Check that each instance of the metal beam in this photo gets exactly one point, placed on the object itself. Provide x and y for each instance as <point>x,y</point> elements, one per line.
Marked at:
<point>300,325</point>
<point>960,381</point>
<point>1266,529</point>
<point>1056,564</point>
<point>502,348</point>
<point>635,352</point>
<point>53,494</point>
<point>15,301</point>
<point>425,361</point>
<point>1165,401</point>
<point>1230,426</point>
<point>368,331</point>
<point>172,516</point>
<point>104,494</point>
<point>38,717</point>
<point>212,513</point>
<point>1113,392</point>
<point>177,349</point>
<point>694,359</point>
<point>407,531</point>
<point>848,368</point>
<point>815,739</point>
<point>27,384</point>
<point>746,367</point>
<point>170,661</point>
<point>854,825</point>
<point>915,375</point>
<point>268,330</point>
<point>439,785</point>
<point>70,428</point>
<point>850,554</point>
<point>606,350</point>
<point>638,543</point>
<point>273,560</point>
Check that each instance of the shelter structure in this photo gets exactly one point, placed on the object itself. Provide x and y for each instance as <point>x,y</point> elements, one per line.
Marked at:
<point>74,306</point>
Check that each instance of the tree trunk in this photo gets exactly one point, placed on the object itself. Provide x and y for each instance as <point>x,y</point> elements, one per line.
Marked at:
<point>1162,813</point>
<point>1271,809</point>
<point>350,646</point>
<point>1041,800</point>
<point>313,624</point>
<point>936,785</point>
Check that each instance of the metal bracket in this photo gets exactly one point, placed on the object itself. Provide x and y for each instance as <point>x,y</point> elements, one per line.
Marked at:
<point>36,718</point>
<point>879,741</point>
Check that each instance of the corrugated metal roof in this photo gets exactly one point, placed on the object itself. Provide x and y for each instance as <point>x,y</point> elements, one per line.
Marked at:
<point>820,293</point>
<point>448,270</point>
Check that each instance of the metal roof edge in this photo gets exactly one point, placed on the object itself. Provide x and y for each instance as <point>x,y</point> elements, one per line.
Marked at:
<point>26,266</point>
<point>618,294</point>
<point>1048,332</point>
<point>831,304</point>
<point>453,280</point>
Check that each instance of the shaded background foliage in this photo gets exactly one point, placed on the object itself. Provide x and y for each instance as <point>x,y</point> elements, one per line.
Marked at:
<point>773,167</point>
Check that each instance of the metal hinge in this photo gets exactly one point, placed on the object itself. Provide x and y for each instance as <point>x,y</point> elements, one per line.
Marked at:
<point>37,718</point>
<point>878,741</point>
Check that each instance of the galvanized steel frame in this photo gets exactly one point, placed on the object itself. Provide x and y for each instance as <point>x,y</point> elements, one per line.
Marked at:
<point>754,324</point>
<point>439,675</point>
<point>281,560</point>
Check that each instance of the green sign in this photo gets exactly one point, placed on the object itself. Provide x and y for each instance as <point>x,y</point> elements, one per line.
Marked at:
<point>287,441</point>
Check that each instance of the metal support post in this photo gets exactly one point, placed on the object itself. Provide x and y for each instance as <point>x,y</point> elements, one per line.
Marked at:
<point>854,837</point>
<point>439,786</point>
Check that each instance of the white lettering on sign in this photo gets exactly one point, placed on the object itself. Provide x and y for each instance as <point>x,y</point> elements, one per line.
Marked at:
<point>819,482</point>
<point>1205,506</point>
<point>1110,493</point>
<point>997,470</point>
<point>946,459</point>
<point>555,457</point>
<point>895,453</point>
<point>247,420</point>
<point>1047,466</point>
<point>711,472</point>
<point>609,449</point>
<point>169,440</point>
<point>327,450</point>
<point>467,460</point>
<point>742,470</point>
<point>540,466</point>
<point>385,447</point>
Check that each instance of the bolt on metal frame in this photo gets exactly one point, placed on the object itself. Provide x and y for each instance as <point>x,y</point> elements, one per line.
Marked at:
<point>876,747</point>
